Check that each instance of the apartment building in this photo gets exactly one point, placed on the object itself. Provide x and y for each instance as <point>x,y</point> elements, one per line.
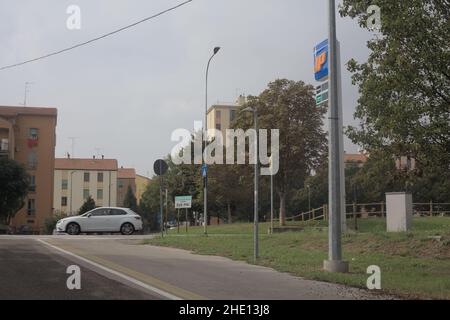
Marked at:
<point>141,185</point>
<point>77,179</point>
<point>355,160</point>
<point>221,116</point>
<point>28,135</point>
<point>126,177</point>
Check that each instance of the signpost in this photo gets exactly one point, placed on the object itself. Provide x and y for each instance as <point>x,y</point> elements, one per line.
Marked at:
<point>183,202</point>
<point>160,167</point>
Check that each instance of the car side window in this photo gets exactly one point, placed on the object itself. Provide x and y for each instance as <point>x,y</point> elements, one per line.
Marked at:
<point>118,212</point>
<point>100,212</point>
<point>94,213</point>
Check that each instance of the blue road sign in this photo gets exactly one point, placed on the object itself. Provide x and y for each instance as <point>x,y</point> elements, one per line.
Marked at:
<point>321,53</point>
<point>204,170</point>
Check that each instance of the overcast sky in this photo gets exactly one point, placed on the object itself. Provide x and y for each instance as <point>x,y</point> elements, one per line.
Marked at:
<point>127,93</point>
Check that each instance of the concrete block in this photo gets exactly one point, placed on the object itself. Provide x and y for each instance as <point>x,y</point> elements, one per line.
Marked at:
<point>399,211</point>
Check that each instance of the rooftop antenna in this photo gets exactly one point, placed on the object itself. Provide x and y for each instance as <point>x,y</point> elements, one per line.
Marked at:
<point>98,152</point>
<point>73,146</point>
<point>26,93</point>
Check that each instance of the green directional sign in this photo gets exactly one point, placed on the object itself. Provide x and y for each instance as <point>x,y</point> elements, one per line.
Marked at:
<point>322,93</point>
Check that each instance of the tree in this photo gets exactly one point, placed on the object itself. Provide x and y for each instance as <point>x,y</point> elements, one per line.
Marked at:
<point>14,184</point>
<point>88,205</point>
<point>405,84</point>
<point>290,107</point>
<point>149,204</point>
<point>130,200</point>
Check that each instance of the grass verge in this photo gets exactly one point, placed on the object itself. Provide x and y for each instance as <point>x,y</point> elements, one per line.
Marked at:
<point>413,264</point>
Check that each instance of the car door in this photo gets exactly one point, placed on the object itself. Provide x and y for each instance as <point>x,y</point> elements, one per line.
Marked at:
<point>117,218</point>
<point>98,220</point>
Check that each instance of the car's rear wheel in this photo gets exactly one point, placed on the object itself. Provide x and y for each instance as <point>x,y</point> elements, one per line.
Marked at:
<point>127,229</point>
<point>73,229</point>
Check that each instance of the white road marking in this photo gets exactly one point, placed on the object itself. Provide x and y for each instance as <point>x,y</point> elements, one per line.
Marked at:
<point>123,276</point>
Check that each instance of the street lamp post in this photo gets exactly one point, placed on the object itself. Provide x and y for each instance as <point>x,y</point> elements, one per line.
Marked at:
<point>256,205</point>
<point>205,130</point>
<point>334,262</point>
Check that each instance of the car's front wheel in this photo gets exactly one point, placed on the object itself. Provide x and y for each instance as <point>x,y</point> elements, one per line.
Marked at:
<point>73,229</point>
<point>127,229</point>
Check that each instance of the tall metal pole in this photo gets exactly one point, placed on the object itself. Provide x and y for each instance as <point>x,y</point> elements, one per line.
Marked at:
<point>256,215</point>
<point>205,137</point>
<point>334,262</point>
<point>271,199</point>
<point>167,213</point>
<point>161,204</point>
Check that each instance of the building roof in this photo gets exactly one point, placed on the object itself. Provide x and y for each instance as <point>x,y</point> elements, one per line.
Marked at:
<point>359,157</point>
<point>126,173</point>
<point>143,177</point>
<point>223,106</point>
<point>35,111</point>
<point>86,164</point>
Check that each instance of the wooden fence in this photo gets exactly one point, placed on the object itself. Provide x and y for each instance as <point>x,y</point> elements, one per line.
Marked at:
<point>377,209</point>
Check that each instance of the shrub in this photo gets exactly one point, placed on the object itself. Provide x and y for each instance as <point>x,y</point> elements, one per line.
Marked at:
<point>50,222</point>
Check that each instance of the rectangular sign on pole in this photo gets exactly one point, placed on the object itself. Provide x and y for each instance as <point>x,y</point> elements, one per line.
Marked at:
<point>321,61</point>
<point>183,202</point>
<point>322,93</point>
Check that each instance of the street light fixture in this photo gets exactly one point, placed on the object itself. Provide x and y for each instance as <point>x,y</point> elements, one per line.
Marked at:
<point>205,132</point>
<point>256,205</point>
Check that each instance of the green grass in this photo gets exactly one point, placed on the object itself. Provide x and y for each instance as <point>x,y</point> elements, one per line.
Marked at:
<point>413,265</point>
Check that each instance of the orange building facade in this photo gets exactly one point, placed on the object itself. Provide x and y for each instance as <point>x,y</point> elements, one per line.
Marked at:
<point>28,136</point>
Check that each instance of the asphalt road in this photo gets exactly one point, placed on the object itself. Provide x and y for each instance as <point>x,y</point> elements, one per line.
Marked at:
<point>117,267</point>
<point>31,270</point>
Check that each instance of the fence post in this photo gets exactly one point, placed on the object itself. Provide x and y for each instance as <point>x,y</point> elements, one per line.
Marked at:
<point>431,208</point>
<point>325,212</point>
<point>355,217</point>
<point>382,209</point>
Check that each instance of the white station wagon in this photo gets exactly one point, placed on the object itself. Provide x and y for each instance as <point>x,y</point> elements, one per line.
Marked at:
<point>105,219</point>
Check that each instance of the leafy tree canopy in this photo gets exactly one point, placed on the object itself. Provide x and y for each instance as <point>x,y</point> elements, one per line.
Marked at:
<point>14,184</point>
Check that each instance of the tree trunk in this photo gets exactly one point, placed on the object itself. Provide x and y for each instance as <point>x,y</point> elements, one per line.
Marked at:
<point>282,209</point>
<point>229,212</point>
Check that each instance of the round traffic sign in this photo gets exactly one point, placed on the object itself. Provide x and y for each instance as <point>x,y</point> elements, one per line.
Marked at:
<point>160,167</point>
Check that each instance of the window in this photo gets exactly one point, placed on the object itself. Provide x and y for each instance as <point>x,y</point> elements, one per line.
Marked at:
<point>63,201</point>
<point>31,207</point>
<point>117,212</point>
<point>100,177</point>
<point>100,212</point>
<point>120,183</point>
<point>232,115</point>
<point>86,177</point>
<point>64,184</point>
<point>33,134</point>
<point>218,126</point>
<point>86,194</point>
<point>32,160</point>
<point>218,115</point>
<point>32,184</point>
<point>99,194</point>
